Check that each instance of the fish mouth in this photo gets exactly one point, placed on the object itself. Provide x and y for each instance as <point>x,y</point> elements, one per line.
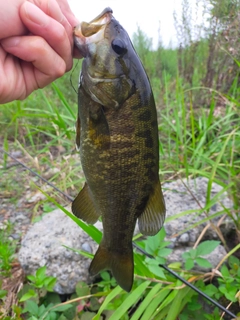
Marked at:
<point>104,17</point>
<point>91,32</point>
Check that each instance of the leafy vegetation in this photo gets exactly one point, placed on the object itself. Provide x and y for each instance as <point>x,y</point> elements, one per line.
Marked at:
<point>197,90</point>
<point>7,249</point>
<point>155,293</point>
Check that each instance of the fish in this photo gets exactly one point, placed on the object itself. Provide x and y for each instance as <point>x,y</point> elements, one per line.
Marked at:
<point>117,135</point>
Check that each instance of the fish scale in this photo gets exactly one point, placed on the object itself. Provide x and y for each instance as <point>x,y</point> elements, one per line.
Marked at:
<point>117,133</point>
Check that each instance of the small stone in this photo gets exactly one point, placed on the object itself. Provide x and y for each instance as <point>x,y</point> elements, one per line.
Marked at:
<point>68,254</point>
<point>38,196</point>
<point>214,207</point>
<point>20,217</point>
<point>184,238</point>
<point>63,277</point>
<point>12,219</point>
<point>86,247</point>
<point>16,154</point>
<point>192,236</point>
<point>3,226</point>
<point>50,173</point>
<point>171,245</point>
<point>15,236</point>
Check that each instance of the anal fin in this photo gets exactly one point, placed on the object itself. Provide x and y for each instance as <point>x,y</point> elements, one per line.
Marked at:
<point>151,220</point>
<point>83,206</point>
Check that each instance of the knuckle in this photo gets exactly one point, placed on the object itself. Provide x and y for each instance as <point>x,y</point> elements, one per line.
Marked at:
<point>39,45</point>
<point>5,90</point>
<point>59,70</point>
<point>69,65</point>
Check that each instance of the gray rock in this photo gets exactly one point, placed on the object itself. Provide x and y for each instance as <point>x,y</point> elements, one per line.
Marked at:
<point>183,195</point>
<point>43,245</point>
<point>184,238</point>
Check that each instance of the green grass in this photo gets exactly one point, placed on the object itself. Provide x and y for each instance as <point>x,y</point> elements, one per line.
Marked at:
<point>7,249</point>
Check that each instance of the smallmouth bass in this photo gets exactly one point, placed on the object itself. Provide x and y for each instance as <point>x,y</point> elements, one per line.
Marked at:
<point>117,134</point>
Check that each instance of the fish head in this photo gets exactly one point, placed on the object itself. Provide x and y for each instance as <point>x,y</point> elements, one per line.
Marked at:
<point>107,51</point>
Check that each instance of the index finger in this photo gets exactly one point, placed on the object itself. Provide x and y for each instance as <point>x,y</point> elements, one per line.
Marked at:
<point>41,24</point>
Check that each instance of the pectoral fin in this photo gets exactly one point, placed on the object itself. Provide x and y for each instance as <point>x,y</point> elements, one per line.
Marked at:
<point>151,220</point>
<point>83,206</point>
<point>98,129</point>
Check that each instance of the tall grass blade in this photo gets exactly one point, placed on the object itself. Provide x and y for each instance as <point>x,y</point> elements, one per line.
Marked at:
<point>177,304</point>
<point>144,304</point>
<point>214,169</point>
<point>5,155</point>
<point>63,100</point>
<point>130,300</point>
<point>157,300</point>
<point>116,291</point>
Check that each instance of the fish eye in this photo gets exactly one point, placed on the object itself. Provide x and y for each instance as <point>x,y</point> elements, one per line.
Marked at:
<point>119,47</point>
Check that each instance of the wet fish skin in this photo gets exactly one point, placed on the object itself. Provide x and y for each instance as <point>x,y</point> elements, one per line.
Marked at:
<point>119,148</point>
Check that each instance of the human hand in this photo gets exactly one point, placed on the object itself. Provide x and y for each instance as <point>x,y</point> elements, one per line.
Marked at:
<point>36,45</point>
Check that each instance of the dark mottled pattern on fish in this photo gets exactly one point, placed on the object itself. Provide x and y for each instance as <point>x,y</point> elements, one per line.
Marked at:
<point>130,141</point>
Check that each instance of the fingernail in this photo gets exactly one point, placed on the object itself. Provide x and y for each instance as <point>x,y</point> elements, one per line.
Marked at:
<point>10,42</point>
<point>35,14</point>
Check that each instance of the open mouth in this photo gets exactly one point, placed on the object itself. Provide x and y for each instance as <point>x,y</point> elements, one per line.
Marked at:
<point>88,29</point>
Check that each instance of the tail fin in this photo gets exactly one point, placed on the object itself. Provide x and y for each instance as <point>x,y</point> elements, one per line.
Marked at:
<point>121,266</point>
